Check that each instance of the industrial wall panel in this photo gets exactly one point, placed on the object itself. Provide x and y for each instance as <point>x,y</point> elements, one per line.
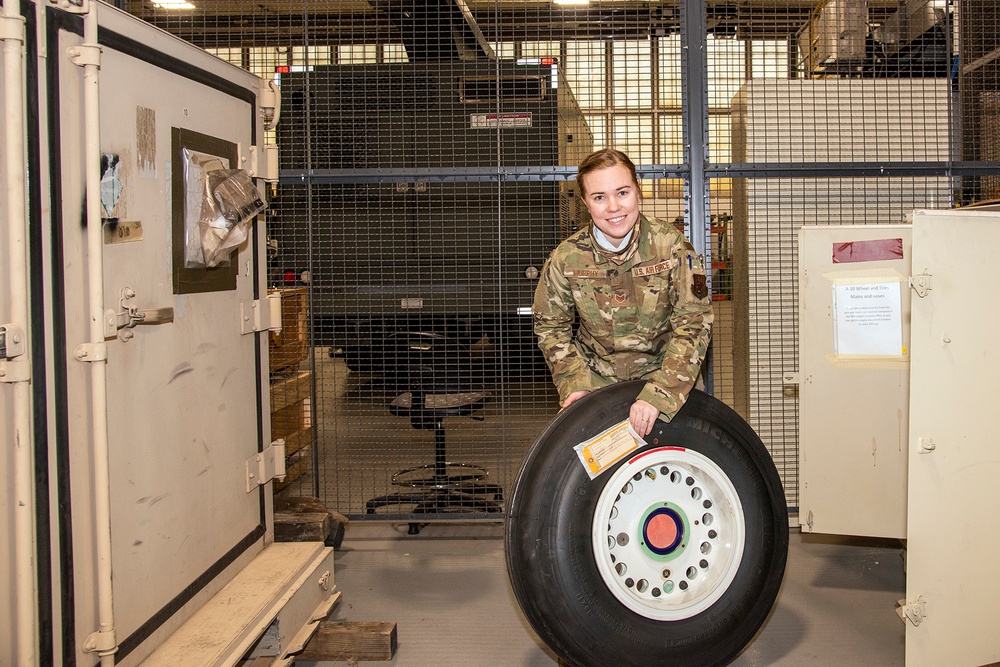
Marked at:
<point>843,120</point>
<point>824,121</point>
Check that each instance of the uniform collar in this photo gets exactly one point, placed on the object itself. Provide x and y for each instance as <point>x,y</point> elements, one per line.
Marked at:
<point>636,249</point>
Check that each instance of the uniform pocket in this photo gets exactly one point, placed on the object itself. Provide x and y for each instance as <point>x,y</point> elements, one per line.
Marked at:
<point>592,307</point>
<point>655,305</point>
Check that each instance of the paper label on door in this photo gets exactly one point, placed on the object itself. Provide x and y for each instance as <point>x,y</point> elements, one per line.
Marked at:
<point>868,319</point>
<point>608,447</point>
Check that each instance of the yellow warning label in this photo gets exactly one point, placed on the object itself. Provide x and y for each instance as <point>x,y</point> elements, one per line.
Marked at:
<point>608,447</point>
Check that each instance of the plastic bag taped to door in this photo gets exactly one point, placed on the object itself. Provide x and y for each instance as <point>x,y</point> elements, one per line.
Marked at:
<point>221,204</point>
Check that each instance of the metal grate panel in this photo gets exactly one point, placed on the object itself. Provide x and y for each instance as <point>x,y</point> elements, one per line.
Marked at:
<point>428,153</point>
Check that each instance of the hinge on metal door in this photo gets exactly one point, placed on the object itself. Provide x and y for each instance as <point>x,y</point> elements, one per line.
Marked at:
<point>914,612</point>
<point>264,162</point>
<point>263,467</point>
<point>11,341</point>
<point>260,162</point>
<point>269,102</point>
<point>921,284</point>
<point>261,314</point>
<point>11,346</point>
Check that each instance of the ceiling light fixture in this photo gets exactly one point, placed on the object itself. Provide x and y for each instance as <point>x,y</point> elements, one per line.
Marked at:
<point>570,2</point>
<point>172,4</point>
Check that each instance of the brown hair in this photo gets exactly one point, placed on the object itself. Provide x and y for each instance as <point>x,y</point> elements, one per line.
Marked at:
<point>602,159</point>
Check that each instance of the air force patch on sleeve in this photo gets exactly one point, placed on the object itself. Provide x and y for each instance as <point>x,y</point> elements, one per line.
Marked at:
<point>699,285</point>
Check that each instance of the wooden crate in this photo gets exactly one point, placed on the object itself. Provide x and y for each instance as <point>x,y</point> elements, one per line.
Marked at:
<point>290,347</point>
<point>291,418</point>
<point>296,441</point>
<point>286,390</point>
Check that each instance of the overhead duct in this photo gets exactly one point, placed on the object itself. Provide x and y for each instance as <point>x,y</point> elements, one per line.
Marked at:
<point>436,30</point>
<point>914,42</point>
<point>907,25</point>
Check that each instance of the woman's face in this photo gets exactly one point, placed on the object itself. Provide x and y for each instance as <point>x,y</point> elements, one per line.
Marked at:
<point>612,198</point>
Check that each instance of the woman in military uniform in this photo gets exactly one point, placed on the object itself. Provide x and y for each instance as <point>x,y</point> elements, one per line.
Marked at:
<point>639,292</point>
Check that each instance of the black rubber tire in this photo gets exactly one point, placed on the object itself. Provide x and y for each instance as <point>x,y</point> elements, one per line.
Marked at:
<point>550,556</point>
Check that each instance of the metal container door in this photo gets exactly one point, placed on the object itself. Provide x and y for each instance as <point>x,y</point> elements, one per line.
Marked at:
<point>184,394</point>
<point>954,460</point>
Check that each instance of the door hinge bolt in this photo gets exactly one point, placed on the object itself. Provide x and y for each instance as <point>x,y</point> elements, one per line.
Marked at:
<point>915,612</point>
<point>921,284</point>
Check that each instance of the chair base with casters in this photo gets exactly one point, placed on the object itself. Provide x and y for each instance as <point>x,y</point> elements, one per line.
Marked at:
<point>442,486</point>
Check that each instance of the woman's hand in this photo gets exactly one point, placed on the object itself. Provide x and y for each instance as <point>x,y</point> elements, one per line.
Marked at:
<point>642,416</point>
<point>575,396</point>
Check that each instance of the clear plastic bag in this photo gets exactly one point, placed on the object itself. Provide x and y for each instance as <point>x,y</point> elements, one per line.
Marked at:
<point>232,202</point>
<point>221,204</point>
<point>196,165</point>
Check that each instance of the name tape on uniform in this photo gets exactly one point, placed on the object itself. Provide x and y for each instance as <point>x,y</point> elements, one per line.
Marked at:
<point>584,273</point>
<point>650,270</point>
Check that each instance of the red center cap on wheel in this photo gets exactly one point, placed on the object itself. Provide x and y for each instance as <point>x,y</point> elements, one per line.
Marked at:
<point>661,531</point>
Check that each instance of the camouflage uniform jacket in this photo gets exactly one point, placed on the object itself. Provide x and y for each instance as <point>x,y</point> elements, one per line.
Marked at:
<point>649,317</point>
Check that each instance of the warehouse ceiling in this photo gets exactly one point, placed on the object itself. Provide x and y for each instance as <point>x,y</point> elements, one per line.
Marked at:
<point>215,23</point>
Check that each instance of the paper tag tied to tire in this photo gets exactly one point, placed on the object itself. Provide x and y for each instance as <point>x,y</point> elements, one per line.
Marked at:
<point>608,447</point>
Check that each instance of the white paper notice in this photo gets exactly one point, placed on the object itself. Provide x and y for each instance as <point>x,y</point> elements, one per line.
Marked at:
<point>868,319</point>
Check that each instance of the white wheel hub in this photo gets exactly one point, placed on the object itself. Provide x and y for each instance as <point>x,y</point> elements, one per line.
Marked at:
<point>668,533</point>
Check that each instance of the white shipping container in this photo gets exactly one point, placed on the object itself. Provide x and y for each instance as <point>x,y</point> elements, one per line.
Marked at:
<point>139,474</point>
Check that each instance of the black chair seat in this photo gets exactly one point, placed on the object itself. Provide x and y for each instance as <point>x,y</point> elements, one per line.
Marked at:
<point>456,404</point>
<point>442,486</point>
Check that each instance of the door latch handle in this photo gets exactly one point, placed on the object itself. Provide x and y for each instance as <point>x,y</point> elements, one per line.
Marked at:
<point>156,315</point>
<point>129,316</point>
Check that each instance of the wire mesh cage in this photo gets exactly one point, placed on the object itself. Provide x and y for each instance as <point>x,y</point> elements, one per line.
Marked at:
<point>428,154</point>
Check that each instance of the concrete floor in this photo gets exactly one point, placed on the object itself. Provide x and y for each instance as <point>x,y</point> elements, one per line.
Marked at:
<point>447,588</point>
<point>448,593</point>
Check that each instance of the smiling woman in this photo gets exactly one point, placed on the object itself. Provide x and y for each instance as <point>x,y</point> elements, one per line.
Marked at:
<point>638,292</point>
<point>611,195</point>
